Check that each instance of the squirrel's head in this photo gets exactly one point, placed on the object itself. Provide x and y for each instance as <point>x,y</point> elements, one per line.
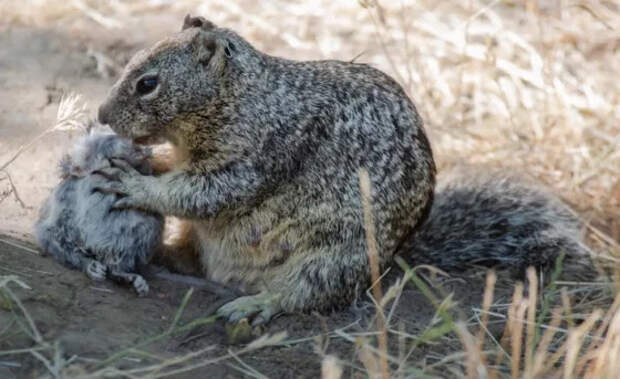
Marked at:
<point>174,80</point>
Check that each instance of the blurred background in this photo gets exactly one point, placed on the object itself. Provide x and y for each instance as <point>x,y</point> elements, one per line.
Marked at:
<point>532,86</point>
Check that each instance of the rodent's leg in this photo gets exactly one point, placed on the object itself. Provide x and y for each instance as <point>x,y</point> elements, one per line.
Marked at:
<point>260,308</point>
<point>95,269</point>
<point>64,244</point>
<point>138,282</point>
<point>327,276</point>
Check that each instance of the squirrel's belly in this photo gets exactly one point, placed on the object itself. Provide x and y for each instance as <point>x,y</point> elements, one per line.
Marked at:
<point>244,254</point>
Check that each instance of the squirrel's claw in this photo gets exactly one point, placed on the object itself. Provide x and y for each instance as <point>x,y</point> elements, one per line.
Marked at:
<point>260,308</point>
<point>123,166</point>
<point>118,168</point>
<point>125,203</point>
<point>110,187</point>
<point>110,173</point>
<point>123,180</point>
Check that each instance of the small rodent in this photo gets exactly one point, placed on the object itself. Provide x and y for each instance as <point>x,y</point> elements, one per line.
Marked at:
<point>271,151</point>
<point>79,225</point>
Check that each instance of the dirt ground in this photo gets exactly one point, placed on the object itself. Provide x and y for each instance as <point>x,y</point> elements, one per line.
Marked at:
<point>93,321</point>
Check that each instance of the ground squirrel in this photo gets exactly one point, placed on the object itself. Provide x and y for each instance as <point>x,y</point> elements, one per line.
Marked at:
<point>77,224</point>
<point>269,177</point>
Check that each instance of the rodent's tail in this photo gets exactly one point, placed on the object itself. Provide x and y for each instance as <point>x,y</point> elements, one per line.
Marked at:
<point>493,219</point>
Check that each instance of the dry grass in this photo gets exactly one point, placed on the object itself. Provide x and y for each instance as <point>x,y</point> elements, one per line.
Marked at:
<point>70,117</point>
<point>51,356</point>
<point>553,348</point>
<point>526,85</point>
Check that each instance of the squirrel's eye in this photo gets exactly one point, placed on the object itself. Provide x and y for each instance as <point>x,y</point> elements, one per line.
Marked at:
<point>146,85</point>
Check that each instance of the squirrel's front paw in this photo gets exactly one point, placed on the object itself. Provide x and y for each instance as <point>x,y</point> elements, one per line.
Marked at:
<point>127,182</point>
<point>260,308</point>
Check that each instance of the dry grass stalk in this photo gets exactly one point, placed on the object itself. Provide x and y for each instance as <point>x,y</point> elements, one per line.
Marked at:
<point>541,354</point>
<point>575,341</point>
<point>369,360</point>
<point>373,258</point>
<point>20,246</point>
<point>14,191</point>
<point>54,364</point>
<point>601,358</point>
<point>567,307</point>
<point>612,312</point>
<point>71,113</point>
<point>508,329</point>
<point>531,320</point>
<point>487,300</point>
<point>188,362</point>
<point>593,357</point>
<point>475,362</point>
<point>107,22</point>
<point>516,326</point>
<point>4,286</point>
<point>70,116</point>
<point>330,368</point>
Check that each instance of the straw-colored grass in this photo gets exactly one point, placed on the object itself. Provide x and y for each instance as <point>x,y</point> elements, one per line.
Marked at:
<point>527,85</point>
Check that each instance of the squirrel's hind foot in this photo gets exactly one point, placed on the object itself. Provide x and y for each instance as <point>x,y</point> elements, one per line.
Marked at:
<point>258,308</point>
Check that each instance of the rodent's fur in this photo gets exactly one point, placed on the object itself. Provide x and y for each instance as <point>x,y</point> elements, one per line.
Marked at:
<point>497,218</point>
<point>270,153</point>
<point>77,224</point>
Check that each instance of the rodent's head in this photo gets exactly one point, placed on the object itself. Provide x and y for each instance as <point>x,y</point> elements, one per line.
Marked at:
<point>92,152</point>
<point>177,77</point>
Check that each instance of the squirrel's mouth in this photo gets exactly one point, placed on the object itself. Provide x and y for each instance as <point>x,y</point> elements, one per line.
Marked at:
<point>147,140</point>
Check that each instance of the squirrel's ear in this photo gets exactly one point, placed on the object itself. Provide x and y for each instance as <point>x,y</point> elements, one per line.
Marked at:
<point>197,22</point>
<point>205,45</point>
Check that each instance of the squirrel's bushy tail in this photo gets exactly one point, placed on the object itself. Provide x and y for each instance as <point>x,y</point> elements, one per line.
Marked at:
<point>493,219</point>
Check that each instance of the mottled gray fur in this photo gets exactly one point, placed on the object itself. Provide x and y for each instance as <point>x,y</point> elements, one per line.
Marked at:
<point>494,218</point>
<point>271,149</point>
<point>77,224</point>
